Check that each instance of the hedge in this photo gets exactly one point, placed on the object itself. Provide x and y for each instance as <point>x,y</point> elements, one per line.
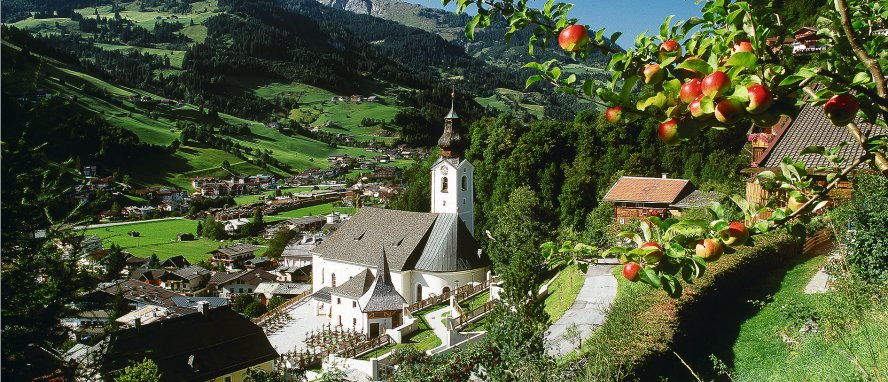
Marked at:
<point>644,325</point>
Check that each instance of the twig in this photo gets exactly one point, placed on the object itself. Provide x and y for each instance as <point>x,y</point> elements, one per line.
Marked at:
<point>871,64</point>
<point>879,160</point>
<point>828,187</point>
<point>697,377</point>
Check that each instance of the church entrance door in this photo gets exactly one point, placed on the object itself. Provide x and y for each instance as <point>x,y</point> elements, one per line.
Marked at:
<point>374,329</point>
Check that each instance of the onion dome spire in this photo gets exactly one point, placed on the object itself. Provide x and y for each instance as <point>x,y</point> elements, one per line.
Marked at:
<point>452,143</point>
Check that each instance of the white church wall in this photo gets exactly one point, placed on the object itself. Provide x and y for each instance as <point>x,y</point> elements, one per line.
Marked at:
<point>434,282</point>
<point>345,311</point>
<point>323,272</point>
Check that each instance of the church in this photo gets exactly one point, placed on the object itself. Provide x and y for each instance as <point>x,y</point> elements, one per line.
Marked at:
<point>381,260</point>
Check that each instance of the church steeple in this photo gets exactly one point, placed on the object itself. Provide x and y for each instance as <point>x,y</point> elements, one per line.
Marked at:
<point>452,143</point>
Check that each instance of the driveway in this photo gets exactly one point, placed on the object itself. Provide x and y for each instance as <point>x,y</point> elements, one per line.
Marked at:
<point>587,312</point>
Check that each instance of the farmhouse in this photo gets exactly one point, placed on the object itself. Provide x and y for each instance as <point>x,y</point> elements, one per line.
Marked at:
<point>233,256</point>
<point>639,197</point>
<point>791,136</point>
<point>414,255</point>
<point>188,279</point>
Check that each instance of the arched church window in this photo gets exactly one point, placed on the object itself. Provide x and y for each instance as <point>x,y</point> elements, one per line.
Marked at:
<point>465,183</point>
<point>333,279</point>
<point>443,184</point>
<point>418,292</point>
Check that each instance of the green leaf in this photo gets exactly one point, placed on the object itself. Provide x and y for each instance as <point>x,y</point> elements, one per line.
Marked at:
<point>719,225</point>
<point>627,89</point>
<point>657,100</point>
<point>645,230</point>
<point>672,86</point>
<point>767,174</point>
<point>860,78</point>
<point>813,150</point>
<point>531,80</point>
<point>588,86</point>
<point>698,65</point>
<point>650,276</point>
<point>615,36</point>
<point>470,27</point>
<point>664,29</point>
<point>555,73</point>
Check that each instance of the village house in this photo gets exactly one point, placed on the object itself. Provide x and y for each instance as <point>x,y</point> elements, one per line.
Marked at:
<point>636,197</point>
<point>231,226</point>
<point>185,280</point>
<point>308,223</point>
<point>233,256</point>
<point>229,285</point>
<point>266,290</point>
<point>298,253</point>
<point>790,136</point>
<point>291,274</point>
<point>148,276</point>
<point>83,324</point>
<point>210,345</point>
<point>175,262</point>
<point>258,263</point>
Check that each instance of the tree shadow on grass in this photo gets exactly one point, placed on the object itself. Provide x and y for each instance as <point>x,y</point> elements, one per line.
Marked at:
<point>712,325</point>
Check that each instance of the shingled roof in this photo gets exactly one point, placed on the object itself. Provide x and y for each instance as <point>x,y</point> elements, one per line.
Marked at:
<point>812,128</point>
<point>449,235</point>
<point>402,233</point>
<point>648,190</point>
<point>236,249</point>
<point>382,295</point>
<point>355,286</point>
<point>216,343</point>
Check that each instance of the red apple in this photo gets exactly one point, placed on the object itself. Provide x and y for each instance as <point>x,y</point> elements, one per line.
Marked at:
<point>658,254</point>
<point>729,111</point>
<point>670,47</point>
<point>759,99</point>
<point>742,46</point>
<point>573,38</point>
<point>841,109</point>
<point>630,271</point>
<point>668,132</point>
<point>696,110</point>
<point>652,74</point>
<point>709,249</point>
<point>793,204</point>
<point>735,234</point>
<point>613,114</point>
<point>690,90</point>
<point>716,83</point>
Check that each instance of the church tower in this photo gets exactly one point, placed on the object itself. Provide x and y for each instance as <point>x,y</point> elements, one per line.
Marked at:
<point>452,184</point>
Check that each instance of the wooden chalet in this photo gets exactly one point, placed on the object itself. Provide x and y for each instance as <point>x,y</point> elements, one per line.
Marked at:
<point>641,197</point>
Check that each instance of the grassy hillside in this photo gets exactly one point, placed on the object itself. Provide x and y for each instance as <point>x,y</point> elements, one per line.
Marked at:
<point>158,126</point>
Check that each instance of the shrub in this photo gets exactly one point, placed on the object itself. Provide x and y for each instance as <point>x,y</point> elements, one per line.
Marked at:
<point>643,325</point>
<point>868,247</point>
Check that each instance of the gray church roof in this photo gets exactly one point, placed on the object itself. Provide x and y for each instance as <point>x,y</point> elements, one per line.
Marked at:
<point>450,235</point>
<point>402,233</point>
<point>355,286</point>
<point>382,295</point>
<point>412,240</point>
<point>812,128</point>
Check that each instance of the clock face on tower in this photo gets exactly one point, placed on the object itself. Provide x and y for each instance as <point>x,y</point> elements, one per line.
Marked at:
<point>443,170</point>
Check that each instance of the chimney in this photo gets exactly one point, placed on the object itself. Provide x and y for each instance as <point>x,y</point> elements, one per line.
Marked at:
<point>137,323</point>
<point>203,307</point>
<point>664,175</point>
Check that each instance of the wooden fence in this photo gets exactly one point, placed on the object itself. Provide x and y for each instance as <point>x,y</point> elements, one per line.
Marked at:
<point>466,317</point>
<point>271,313</point>
<point>461,293</point>
<point>366,346</point>
<point>817,239</point>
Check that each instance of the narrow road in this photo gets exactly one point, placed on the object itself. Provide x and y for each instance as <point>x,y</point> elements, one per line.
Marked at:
<point>88,226</point>
<point>587,312</point>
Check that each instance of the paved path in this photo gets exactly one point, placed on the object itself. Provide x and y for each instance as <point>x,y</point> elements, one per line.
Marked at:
<point>434,319</point>
<point>587,312</point>
<point>820,281</point>
<point>89,226</point>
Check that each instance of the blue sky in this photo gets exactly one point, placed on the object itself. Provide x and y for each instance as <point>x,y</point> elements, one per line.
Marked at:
<point>628,16</point>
